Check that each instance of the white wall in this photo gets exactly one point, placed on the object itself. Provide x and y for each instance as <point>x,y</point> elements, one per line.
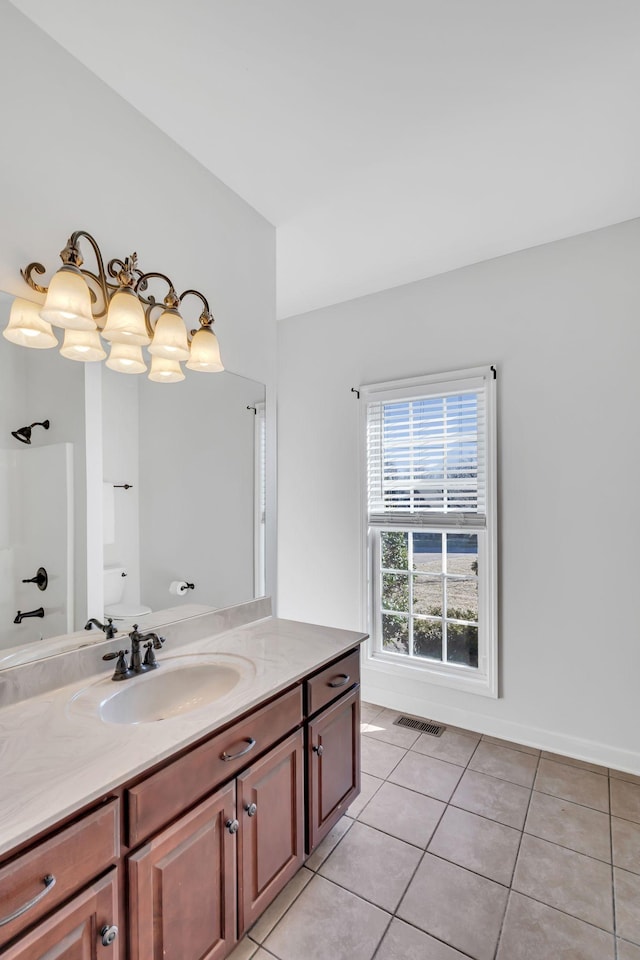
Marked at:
<point>76,155</point>
<point>197,489</point>
<point>120,465</point>
<point>562,324</point>
<point>187,449</point>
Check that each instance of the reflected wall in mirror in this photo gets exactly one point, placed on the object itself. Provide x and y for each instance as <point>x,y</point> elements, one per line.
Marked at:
<point>193,455</point>
<point>180,462</point>
<point>42,492</point>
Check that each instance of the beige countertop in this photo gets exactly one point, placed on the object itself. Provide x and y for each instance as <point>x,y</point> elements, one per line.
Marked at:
<point>57,754</point>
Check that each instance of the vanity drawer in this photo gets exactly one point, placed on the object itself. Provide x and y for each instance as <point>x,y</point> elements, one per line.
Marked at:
<point>74,856</point>
<point>332,682</point>
<point>166,794</point>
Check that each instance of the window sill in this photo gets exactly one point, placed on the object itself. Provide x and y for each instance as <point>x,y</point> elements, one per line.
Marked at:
<point>482,683</point>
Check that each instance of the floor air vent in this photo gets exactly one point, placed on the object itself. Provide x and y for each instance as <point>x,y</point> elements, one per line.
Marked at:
<point>424,726</point>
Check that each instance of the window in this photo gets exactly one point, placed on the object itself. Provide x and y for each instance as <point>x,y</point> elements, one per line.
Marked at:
<point>431,527</point>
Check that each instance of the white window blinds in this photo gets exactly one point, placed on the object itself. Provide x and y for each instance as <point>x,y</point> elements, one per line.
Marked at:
<point>426,456</point>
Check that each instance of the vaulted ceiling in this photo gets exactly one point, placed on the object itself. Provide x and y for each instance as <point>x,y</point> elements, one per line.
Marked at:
<point>387,140</point>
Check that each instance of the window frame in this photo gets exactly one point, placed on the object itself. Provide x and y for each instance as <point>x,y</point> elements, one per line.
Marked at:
<point>482,679</point>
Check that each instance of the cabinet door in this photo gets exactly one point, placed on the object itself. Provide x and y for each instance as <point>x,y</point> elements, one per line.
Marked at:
<point>271,835</point>
<point>333,765</point>
<point>73,932</point>
<point>182,883</point>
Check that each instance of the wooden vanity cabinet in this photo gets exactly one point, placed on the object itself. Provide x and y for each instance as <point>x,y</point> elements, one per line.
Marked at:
<point>198,884</point>
<point>74,931</point>
<point>333,765</point>
<point>271,833</point>
<point>56,882</point>
<point>182,886</point>
<point>163,796</point>
<point>231,855</point>
<point>210,838</point>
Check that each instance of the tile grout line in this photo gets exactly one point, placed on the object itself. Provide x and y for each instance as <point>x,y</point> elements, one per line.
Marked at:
<point>613,882</point>
<point>447,804</point>
<point>394,915</point>
<point>515,862</point>
<point>297,897</point>
<point>501,779</point>
<point>567,800</point>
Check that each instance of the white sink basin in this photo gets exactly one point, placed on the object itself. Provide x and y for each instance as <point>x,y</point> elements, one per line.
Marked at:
<point>179,685</point>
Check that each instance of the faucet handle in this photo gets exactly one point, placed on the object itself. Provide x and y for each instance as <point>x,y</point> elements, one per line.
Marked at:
<point>122,671</point>
<point>149,662</point>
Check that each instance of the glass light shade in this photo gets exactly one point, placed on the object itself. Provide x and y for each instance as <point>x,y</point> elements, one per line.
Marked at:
<point>27,328</point>
<point>125,319</point>
<point>126,358</point>
<point>205,352</point>
<point>68,303</point>
<point>170,337</point>
<point>84,345</point>
<point>165,371</point>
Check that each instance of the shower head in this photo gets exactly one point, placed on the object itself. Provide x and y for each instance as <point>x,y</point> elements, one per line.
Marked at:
<point>23,434</point>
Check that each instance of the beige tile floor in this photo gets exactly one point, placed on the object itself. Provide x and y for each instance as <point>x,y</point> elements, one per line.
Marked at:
<point>465,846</point>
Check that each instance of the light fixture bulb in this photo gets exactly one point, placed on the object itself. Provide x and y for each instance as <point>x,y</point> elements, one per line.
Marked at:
<point>165,371</point>
<point>205,352</point>
<point>170,336</point>
<point>27,328</point>
<point>68,303</point>
<point>125,319</point>
<point>83,345</point>
<point>126,358</point>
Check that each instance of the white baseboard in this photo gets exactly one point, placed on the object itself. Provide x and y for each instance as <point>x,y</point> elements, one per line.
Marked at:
<point>592,751</point>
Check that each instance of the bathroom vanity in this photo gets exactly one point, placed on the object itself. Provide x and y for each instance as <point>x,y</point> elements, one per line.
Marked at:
<point>189,841</point>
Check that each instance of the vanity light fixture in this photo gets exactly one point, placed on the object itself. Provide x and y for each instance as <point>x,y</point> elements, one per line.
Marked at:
<point>113,304</point>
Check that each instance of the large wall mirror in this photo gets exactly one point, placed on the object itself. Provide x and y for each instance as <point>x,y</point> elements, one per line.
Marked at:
<point>133,488</point>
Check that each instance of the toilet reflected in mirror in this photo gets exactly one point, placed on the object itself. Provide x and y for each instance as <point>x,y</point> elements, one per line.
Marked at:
<point>122,610</point>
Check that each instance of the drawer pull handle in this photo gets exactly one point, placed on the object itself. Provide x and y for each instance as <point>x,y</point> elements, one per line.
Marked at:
<point>236,756</point>
<point>49,883</point>
<point>251,809</point>
<point>108,934</point>
<point>319,750</point>
<point>232,826</point>
<point>342,682</point>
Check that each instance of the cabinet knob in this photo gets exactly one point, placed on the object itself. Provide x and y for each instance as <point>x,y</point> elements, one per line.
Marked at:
<point>319,750</point>
<point>251,809</point>
<point>108,934</point>
<point>232,826</point>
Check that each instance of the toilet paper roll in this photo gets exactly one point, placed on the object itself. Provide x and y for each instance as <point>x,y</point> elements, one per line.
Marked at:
<point>178,587</point>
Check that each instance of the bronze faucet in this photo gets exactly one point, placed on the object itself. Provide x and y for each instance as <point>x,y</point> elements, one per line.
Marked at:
<point>151,642</point>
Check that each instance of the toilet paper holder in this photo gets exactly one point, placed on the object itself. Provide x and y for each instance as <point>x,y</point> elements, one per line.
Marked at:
<point>180,587</point>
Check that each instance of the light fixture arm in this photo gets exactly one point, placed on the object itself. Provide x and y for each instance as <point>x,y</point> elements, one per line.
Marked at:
<point>206,317</point>
<point>171,298</point>
<point>71,255</point>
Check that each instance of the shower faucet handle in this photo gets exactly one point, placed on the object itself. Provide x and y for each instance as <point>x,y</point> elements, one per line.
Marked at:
<point>41,579</point>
